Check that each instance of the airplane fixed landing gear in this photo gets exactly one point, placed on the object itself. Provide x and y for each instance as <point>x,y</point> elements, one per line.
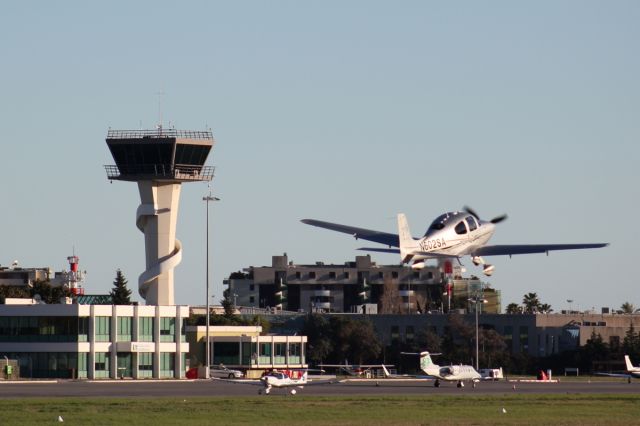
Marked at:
<point>460,384</point>
<point>486,268</point>
<point>436,384</point>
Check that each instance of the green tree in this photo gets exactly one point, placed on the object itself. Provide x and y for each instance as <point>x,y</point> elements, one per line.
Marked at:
<point>545,308</point>
<point>427,340</point>
<point>531,303</point>
<point>514,308</point>
<point>47,293</point>
<point>627,308</point>
<point>229,307</point>
<point>13,292</point>
<point>120,294</point>
<point>631,342</point>
<point>319,345</point>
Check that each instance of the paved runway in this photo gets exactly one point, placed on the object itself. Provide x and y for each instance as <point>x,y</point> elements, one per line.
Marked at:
<point>141,388</point>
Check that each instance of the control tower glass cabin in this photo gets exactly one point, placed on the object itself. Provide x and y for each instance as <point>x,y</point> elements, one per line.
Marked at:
<point>159,161</point>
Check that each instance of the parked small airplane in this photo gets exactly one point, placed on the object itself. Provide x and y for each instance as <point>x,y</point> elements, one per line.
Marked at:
<point>450,235</point>
<point>451,373</point>
<point>281,379</point>
<point>632,370</point>
<point>353,369</point>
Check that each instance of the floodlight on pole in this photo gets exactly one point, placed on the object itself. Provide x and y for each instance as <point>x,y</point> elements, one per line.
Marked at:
<point>477,300</point>
<point>207,199</point>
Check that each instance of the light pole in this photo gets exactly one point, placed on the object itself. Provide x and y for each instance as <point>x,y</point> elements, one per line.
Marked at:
<point>208,198</point>
<point>477,300</point>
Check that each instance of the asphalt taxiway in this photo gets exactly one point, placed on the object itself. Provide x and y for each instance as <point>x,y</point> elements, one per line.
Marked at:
<point>222,388</point>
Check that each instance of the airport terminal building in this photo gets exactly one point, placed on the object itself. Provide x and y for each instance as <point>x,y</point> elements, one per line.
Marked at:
<point>94,341</point>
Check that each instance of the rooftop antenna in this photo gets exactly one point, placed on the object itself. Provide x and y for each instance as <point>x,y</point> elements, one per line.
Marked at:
<point>160,95</point>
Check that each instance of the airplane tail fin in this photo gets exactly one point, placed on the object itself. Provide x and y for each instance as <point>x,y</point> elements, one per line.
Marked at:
<point>426,364</point>
<point>386,372</point>
<point>627,361</point>
<point>407,243</point>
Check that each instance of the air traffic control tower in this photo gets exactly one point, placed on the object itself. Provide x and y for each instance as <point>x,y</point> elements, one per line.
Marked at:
<point>160,161</point>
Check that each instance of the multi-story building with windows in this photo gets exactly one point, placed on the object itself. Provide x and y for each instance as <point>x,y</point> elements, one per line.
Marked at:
<point>95,341</point>
<point>350,288</point>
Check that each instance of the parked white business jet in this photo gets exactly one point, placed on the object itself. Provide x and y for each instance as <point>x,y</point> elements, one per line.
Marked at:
<point>450,235</point>
<point>450,373</point>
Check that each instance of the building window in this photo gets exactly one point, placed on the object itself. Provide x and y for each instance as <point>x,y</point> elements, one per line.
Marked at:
<point>167,363</point>
<point>298,275</point>
<point>416,274</point>
<point>252,287</point>
<point>346,275</point>
<point>101,364</point>
<point>145,329</point>
<point>294,353</point>
<point>395,333</point>
<point>252,300</point>
<point>280,353</point>
<point>167,329</point>
<point>312,275</point>
<point>409,334</point>
<point>332,275</point>
<point>124,329</point>
<point>524,338</point>
<point>429,275</point>
<point>394,274</point>
<point>102,329</point>
<point>381,275</point>
<point>183,331</point>
<point>145,364</point>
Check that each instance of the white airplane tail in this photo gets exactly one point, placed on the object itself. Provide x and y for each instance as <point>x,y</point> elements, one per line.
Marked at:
<point>427,365</point>
<point>407,243</point>
<point>630,366</point>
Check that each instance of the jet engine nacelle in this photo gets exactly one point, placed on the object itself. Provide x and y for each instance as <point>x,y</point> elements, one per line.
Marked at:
<point>417,266</point>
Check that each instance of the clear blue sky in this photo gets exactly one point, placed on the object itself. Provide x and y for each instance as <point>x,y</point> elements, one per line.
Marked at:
<point>344,111</point>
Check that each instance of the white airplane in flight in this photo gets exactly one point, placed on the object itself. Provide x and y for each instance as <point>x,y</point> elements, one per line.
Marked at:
<point>450,235</point>
<point>450,373</point>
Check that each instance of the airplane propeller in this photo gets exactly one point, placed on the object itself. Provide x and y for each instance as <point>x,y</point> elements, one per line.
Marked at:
<point>495,220</point>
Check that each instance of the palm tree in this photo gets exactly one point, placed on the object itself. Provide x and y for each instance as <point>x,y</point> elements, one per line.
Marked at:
<point>545,307</point>
<point>627,308</point>
<point>531,303</point>
<point>514,308</point>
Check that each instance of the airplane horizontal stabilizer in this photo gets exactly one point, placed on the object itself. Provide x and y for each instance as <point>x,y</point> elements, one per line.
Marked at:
<point>380,250</point>
<point>385,238</point>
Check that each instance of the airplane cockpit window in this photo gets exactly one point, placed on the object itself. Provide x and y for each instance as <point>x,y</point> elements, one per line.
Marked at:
<point>438,223</point>
<point>471,221</point>
<point>461,228</point>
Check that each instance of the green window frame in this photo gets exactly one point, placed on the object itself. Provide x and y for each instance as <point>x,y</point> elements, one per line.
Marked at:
<point>125,329</point>
<point>102,329</point>
<point>145,364</point>
<point>167,364</point>
<point>167,329</point>
<point>102,364</point>
<point>145,329</point>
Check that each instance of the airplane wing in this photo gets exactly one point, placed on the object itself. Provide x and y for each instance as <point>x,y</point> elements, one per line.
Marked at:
<point>531,248</point>
<point>624,375</point>
<point>385,238</point>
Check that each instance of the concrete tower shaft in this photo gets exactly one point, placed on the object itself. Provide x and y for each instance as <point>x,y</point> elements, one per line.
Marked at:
<point>159,161</point>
